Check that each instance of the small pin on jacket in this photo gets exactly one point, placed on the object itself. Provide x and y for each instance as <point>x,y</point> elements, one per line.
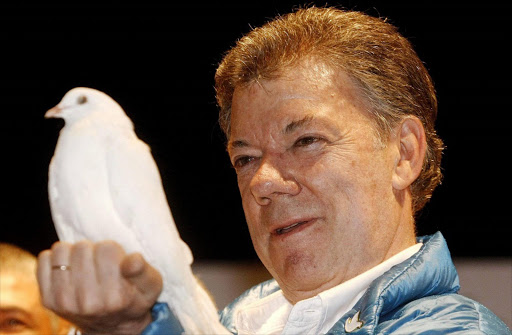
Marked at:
<point>353,323</point>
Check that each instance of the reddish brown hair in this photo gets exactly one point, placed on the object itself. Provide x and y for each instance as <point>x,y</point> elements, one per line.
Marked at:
<point>392,79</point>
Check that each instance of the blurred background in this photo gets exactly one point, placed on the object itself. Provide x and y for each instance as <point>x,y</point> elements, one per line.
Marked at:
<point>158,61</point>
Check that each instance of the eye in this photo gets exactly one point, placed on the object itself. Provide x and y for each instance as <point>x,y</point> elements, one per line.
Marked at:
<point>305,141</point>
<point>242,161</point>
<point>12,325</point>
<point>81,100</point>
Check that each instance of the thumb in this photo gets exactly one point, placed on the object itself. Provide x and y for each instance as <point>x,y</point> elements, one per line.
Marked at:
<point>142,275</point>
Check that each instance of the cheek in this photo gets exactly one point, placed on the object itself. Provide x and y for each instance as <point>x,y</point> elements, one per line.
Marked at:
<point>329,180</point>
<point>244,181</point>
<point>44,326</point>
<point>253,219</point>
<point>345,187</point>
<point>248,206</point>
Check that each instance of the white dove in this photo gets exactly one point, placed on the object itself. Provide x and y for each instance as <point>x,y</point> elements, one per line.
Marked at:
<point>105,185</point>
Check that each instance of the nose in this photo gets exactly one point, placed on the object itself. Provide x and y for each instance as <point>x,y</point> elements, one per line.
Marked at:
<point>272,181</point>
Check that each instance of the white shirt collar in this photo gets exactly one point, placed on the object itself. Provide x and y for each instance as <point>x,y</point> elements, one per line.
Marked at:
<point>274,314</point>
<point>340,299</point>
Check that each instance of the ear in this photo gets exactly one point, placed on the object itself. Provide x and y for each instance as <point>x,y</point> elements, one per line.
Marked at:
<point>411,138</point>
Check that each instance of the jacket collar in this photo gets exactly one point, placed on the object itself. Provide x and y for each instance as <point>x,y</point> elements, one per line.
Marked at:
<point>429,272</point>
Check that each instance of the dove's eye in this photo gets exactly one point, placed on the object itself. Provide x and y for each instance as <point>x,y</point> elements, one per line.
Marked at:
<point>81,100</point>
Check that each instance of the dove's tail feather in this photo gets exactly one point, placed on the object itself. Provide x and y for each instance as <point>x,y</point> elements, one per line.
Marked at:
<point>209,312</point>
<point>196,311</point>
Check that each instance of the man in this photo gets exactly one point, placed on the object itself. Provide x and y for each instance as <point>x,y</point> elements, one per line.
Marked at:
<point>21,311</point>
<point>329,117</point>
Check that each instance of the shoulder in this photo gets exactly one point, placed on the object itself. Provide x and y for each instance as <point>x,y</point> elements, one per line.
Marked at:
<point>447,314</point>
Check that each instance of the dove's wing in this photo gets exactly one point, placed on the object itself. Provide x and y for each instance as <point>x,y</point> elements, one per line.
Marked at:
<point>80,200</point>
<point>60,218</point>
<point>139,199</point>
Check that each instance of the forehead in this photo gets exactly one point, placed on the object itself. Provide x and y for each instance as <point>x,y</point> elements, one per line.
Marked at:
<point>20,297</point>
<point>303,79</point>
<point>309,91</point>
<point>18,290</point>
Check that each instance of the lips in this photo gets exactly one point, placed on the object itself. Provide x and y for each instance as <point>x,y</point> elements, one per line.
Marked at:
<point>291,227</point>
<point>284,230</point>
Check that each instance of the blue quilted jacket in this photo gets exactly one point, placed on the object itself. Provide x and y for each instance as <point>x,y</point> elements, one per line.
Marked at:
<point>418,296</point>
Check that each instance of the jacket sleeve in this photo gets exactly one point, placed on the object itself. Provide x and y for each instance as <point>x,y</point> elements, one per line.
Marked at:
<point>164,322</point>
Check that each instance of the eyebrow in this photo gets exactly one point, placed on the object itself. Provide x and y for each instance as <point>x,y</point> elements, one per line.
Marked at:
<point>290,128</point>
<point>17,311</point>
<point>238,144</point>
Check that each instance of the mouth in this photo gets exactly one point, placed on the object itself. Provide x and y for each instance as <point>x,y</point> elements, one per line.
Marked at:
<point>291,227</point>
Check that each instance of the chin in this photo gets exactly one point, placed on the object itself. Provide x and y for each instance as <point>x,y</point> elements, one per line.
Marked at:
<point>303,270</point>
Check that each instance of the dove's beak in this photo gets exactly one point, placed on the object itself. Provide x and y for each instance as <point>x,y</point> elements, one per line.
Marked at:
<point>54,112</point>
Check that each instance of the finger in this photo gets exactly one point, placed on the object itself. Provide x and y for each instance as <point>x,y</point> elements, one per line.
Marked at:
<point>43,272</point>
<point>108,256</point>
<point>133,265</point>
<point>83,277</point>
<point>61,284</point>
<point>146,278</point>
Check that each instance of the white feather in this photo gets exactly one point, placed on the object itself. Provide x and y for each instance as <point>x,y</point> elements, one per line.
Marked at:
<point>105,185</point>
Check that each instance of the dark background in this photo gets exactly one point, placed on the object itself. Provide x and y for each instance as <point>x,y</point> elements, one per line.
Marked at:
<point>158,62</point>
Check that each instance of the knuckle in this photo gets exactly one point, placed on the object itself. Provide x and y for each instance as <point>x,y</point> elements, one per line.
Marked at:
<point>81,250</point>
<point>109,245</point>
<point>45,254</point>
<point>116,301</point>
<point>90,305</point>
<point>43,262</point>
<point>83,245</point>
<point>55,245</point>
<point>60,252</point>
<point>108,248</point>
<point>59,246</point>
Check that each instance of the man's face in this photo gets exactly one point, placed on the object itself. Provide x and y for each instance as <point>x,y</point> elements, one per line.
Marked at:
<point>21,311</point>
<point>315,182</point>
